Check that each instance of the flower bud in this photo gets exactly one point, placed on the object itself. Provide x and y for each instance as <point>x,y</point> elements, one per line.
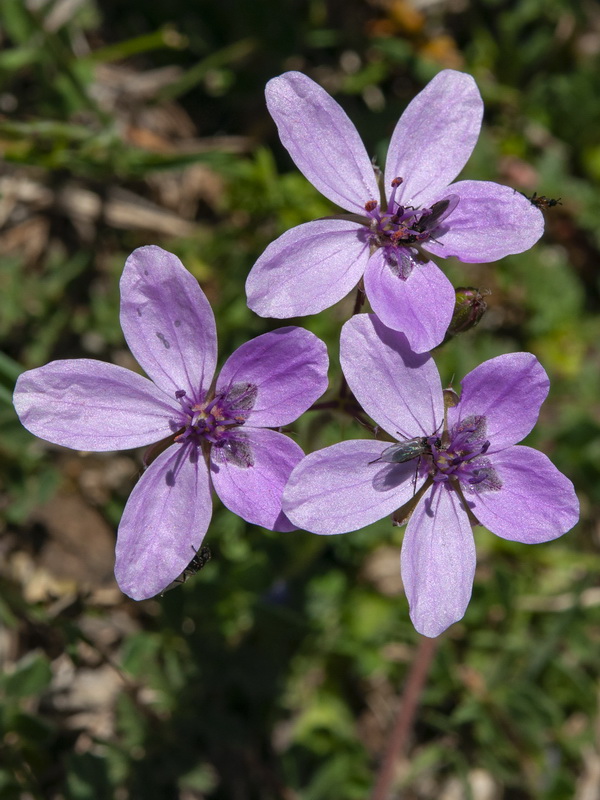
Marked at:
<point>468,310</point>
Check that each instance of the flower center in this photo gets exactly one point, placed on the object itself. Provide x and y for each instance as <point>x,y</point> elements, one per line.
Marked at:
<point>400,227</point>
<point>217,420</point>
<point>463,457</point>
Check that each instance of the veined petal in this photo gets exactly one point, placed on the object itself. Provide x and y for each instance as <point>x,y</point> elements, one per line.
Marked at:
<point>163,523</point>
<point>536,502</point>
<point>420,307</point>
<point>308,269</point>
<point>90,405</point>
<point>434,138</point>
<point>288,367</point>
<point>399,389</point>
<point>254,493</point>
<point>322,141</point>
<point>167,321</point>
<point>438,562</point>
<point>491,221</point>
<point>339,489</point>
<point>508,391</point>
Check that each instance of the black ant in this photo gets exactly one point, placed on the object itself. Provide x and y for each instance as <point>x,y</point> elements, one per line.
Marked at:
<point>541,201</point>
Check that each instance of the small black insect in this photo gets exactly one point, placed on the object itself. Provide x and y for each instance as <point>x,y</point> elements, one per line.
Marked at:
<point>439,212</point>
<point>198,562</point>
<point>541,201</point>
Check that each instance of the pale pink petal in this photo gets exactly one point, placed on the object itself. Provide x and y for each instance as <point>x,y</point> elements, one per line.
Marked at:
<point>322,141</point>
<point>90,405</point>
<point>434,138</point>
<point>536,502</point>
<point>420,307</point>
<point>438,562</point>
<point>168,322</point>
<point>287,366</point>
<point>491,221</point>
<point>308,269</point>
<point>399,389</point>
<point>508,391</point>
<point>163,523</point>
<point>254,492</point>
<point>340,489</point>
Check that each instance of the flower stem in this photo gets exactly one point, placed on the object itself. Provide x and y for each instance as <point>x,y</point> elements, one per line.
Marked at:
<point>358,304</point>
<point>345,407</point>
<point>415,683</point>
<point>359,300</point>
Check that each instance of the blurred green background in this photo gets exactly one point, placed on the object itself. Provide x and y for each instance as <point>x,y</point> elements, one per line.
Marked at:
<point>275,672</point>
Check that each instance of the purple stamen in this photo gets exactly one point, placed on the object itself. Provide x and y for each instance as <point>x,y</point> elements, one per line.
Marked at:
<point>462,457</point>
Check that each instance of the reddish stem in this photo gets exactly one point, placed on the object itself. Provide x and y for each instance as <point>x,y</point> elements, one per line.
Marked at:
<point>407,707</point>
<point>359,301</point>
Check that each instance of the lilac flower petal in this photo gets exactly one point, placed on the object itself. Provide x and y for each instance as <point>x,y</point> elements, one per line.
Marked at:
<point>308,269</point>
<point>90,405</point>
<point>167,321</point>
<point>322,141</point>
<point>434,138</point>
<point>163,523</point>
<point>508,391</point>
<point>490,222</point>
<point>288,366</point>
<point>438,562</point>
<point>254,493</point>
<point>338,489</point>
<point>399,389</point>
<point>420,306</point>
<point>536,503</point>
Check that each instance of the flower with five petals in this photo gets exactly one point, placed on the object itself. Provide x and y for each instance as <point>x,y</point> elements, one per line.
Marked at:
<point>391,230</point>
<point>218,431</point>
<point>464,464</point>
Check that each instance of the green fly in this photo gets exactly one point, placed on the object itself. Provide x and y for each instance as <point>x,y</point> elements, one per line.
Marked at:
<point>401,452</point>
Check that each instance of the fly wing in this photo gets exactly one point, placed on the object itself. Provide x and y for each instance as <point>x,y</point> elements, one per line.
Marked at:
<point>439,212</point>
<point>401,452</point>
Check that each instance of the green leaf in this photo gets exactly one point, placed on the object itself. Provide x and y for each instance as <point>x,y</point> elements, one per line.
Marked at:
<point>31,676</point>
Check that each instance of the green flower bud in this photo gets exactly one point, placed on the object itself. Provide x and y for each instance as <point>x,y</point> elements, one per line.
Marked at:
<point>468,310</point>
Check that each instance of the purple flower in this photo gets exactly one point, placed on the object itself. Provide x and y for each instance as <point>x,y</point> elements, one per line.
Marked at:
<point>390,230</point>
<point>468,467</point>
<point>218,432</point>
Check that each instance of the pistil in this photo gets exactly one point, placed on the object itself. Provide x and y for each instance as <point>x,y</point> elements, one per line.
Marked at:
<point>463,459</point>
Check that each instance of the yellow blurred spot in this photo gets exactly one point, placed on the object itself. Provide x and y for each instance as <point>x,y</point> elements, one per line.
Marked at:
<point>407,18</point>
<point>443,50</point>
<point>561,352</point>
